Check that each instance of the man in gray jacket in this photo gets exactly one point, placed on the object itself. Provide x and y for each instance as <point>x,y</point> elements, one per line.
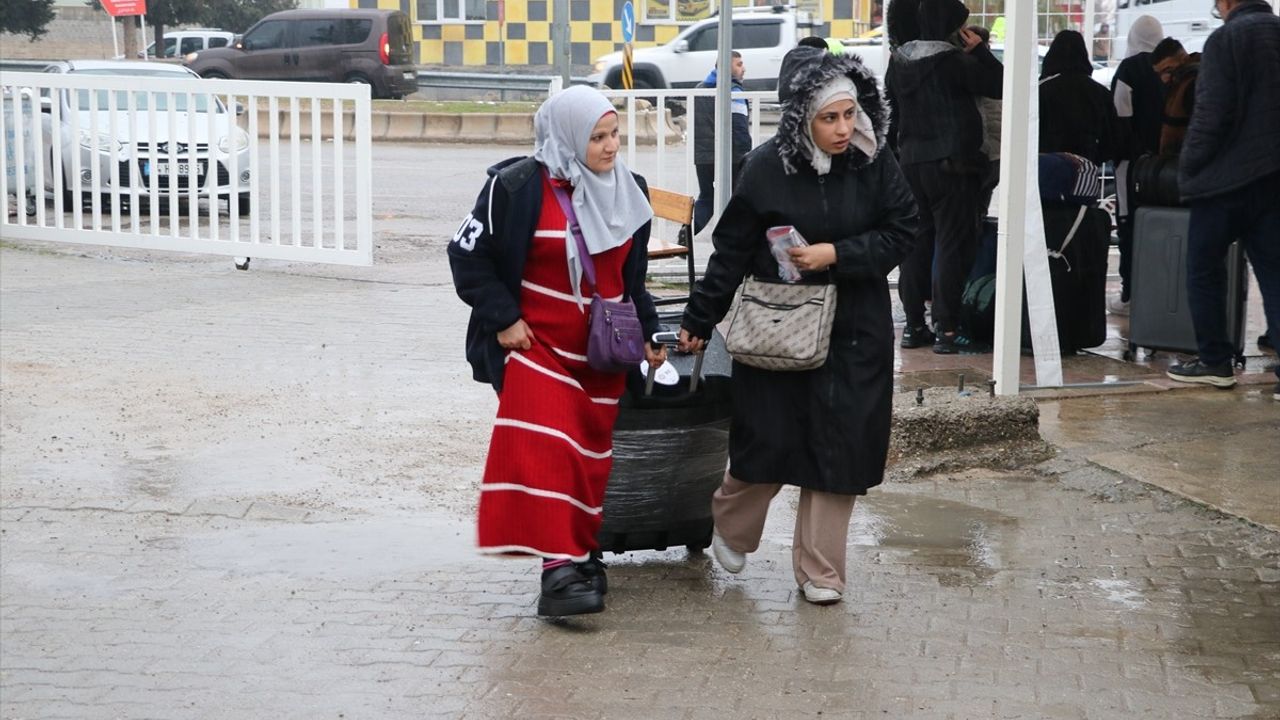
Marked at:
<point>1230,174</point>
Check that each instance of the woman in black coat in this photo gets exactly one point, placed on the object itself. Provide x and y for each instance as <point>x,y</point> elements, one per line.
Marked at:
<point>824,430</point>
<point>1077,115</point>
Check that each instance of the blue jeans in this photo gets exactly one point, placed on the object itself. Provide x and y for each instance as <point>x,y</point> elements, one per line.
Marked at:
<point>1252,215</point>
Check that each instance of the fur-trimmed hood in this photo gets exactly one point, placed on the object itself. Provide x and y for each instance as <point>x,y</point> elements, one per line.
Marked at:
<point>804,71</point>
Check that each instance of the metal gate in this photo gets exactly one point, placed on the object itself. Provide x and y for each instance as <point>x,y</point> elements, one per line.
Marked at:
<point>228,167</point>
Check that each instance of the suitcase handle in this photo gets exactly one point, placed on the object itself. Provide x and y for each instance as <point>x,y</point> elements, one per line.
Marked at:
<point>669,339</point>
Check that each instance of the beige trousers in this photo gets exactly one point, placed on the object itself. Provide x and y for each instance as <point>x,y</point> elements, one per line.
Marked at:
<point>821,535</point>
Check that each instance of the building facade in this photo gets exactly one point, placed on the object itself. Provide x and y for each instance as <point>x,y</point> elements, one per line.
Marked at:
<point>518,32</point>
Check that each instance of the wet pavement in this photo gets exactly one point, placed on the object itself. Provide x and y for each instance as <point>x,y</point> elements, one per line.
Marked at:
<point>233,495</point>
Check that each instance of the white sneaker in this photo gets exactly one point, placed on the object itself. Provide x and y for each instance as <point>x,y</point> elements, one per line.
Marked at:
<point>820,595</point>
<point>729,559</point>
<point>1116,306</point>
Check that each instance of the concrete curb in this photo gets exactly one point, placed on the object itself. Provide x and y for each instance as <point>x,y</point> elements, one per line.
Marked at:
<point>953,431</point>
<point>493,128</point>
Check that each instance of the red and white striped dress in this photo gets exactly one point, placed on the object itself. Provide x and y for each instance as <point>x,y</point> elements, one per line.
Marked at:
<point>552,444</point>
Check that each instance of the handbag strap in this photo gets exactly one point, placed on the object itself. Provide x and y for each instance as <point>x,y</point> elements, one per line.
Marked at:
<point>588,266</point>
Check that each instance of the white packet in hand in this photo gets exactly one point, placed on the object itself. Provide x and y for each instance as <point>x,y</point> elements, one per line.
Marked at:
<point>782,238</point>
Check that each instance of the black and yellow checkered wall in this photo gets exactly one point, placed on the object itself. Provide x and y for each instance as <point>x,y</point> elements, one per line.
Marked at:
<point>594,30</point>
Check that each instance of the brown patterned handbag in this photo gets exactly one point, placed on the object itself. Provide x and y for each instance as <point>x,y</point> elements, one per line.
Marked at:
<point>782,326</point>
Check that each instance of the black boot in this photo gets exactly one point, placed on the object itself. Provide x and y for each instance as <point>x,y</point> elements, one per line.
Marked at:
<point>566,591</point>
<point>593,569</point>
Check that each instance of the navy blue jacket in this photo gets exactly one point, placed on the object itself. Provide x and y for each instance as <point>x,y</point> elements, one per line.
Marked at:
<point>488,253</point>
<point>1234,136</point>
<point>704,130</point>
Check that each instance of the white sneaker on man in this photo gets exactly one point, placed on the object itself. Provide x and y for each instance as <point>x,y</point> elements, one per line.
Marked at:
<point>731,560</point>
<point>1116,306</point>
<point>820,595</point>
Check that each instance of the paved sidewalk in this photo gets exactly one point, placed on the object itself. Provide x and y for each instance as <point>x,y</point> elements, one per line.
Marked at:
<point>236,495</point>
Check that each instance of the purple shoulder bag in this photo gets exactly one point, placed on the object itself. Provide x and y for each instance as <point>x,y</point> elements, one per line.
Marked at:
<point>615,338</point>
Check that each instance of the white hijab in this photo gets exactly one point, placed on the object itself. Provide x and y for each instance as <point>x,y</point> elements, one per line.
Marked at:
<point>864,135</point>
<point>610,206</point>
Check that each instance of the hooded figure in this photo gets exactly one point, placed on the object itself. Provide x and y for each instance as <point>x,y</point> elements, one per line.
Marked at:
<point>825,430</point>
<point>1138,96</point>
<point>933,84</point>
<point>1076,113</point>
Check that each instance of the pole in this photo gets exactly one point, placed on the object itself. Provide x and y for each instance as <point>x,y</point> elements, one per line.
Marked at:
<point>724,112</point>
<point>628,77</point>
<point>1090,17</point>
<point>115,41</point>
<point>560,27</point>
<point>1019,59</point>
<point>145,56</point>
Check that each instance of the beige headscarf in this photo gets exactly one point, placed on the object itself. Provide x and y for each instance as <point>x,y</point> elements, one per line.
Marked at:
<point>864,136</point>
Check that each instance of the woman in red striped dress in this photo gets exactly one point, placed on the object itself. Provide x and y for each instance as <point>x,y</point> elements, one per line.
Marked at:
<point>518,267</point>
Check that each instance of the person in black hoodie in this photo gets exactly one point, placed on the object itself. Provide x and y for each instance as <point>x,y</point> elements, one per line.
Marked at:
<point>933,84</point>
<point>825,430</point>
<point>1077,114</point>
<point>1139,99</point>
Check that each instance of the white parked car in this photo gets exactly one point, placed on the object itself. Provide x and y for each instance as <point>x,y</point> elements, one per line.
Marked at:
<point>762,34</point>
<point>144,151</point>
<point>179,43</point>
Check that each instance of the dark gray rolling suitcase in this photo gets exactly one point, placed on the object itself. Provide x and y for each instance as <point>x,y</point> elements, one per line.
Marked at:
<point>670,450</point>
<point>1159,317</point>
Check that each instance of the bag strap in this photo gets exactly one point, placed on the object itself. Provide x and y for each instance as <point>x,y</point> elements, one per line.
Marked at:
<point>584,257</point>
<point>1071,234</point>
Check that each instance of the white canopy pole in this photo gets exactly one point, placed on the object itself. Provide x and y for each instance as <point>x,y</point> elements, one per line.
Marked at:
<point>1021,232</point>
<point>724,112</point>
<point>1090,17</point>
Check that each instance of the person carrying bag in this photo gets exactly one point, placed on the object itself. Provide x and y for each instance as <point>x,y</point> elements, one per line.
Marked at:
<point>824,429</point>
<point>541,226</point>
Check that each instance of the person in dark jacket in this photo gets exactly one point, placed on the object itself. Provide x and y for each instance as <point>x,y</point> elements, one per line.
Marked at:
<point>704,140</point>
<point>825,430</point>
<point>1178,70</point>
<point>1139,100</point>
<point>1229,171</point>
<point>517,261</point>
<point>1076,113</point>
<point>933,84</point>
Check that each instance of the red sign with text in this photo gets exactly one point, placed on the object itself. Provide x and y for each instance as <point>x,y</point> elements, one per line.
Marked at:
<point>121,8</point>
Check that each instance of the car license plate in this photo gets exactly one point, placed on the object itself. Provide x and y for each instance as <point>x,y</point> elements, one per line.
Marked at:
<point>184,169</point>
<point>410,76</point>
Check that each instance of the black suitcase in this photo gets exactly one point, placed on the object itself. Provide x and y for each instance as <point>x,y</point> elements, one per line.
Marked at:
<point>1159,317</point>
<point>670,450</point>
<point>1078,239</point>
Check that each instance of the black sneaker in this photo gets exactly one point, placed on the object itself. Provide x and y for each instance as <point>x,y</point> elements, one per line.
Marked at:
<point>1264,343</point>
<point>1193,371</point>
<point>957,343</point>
<point>593,569</point>
<point>566,591</point>
<point>917,337</point>
<point>1275,392</point>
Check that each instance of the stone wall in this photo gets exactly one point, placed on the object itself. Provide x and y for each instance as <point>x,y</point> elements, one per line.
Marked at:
<point>75,33</point>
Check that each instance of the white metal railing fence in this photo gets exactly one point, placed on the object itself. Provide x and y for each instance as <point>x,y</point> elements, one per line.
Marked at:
<point>148,162</point>
<point>677,171</point>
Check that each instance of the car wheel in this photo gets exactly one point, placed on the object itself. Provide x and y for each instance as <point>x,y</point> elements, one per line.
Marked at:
<point>214,75</point>
<point>358,79</point>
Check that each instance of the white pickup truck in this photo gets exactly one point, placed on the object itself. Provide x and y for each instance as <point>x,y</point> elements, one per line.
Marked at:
<point>763,36</point>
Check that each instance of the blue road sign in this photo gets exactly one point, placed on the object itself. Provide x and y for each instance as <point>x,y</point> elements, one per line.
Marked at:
<point>628,21</point>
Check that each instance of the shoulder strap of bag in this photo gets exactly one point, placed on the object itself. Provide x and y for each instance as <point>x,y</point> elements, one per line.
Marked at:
<point>584,257</point>
<point>1071,234</point>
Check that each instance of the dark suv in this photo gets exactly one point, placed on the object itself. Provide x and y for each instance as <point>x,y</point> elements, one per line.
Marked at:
<point>372,47</point>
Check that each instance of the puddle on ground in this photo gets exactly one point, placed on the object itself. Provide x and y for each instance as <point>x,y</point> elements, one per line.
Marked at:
<point>960,544</point>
